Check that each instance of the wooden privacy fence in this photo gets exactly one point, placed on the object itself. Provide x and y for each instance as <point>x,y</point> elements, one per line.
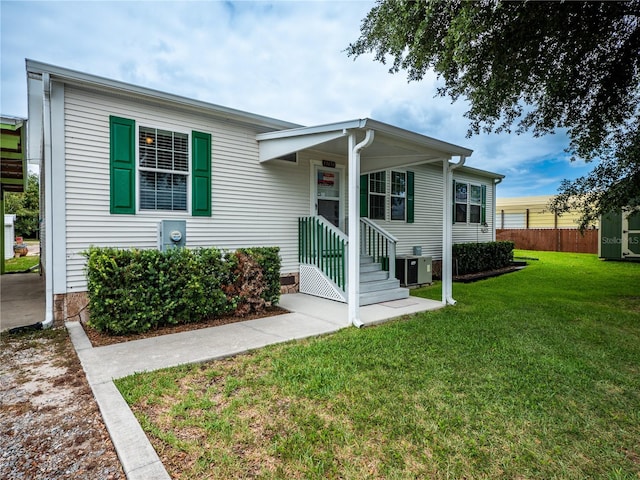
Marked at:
<point>551,239</point>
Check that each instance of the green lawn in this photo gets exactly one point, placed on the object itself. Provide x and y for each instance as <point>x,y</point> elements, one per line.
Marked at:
<point>534,374</point>
<point>21,264</point>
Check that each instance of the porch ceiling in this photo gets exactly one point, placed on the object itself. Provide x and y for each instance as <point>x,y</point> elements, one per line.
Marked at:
<point>392,146</point>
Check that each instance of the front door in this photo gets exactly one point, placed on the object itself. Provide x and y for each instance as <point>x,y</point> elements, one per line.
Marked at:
<point>328,194</point>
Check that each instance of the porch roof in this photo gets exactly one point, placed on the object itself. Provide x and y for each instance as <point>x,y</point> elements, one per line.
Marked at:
<point>392,146</point>
<point>13,165</point>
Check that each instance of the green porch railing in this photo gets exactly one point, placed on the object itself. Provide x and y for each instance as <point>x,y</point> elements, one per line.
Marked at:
<point>379,244</point>
<point>323,245</point>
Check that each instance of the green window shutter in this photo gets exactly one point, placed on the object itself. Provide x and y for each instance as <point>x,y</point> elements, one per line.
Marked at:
<point>201,174</point>
<point>122,165</point>
<point>410,197</point>
<point>364,195</point>
<point>453,199</point>
<point>483,211</point>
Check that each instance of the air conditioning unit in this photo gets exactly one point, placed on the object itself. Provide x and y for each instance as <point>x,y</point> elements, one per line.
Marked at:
<point>413,270</point>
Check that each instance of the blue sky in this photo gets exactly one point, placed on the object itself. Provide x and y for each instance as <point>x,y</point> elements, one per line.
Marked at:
<point>281,59</point>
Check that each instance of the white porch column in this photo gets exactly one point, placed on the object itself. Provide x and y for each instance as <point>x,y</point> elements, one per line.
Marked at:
<point>493,204</point>
<point>447,227</point>
<point>353,256</point>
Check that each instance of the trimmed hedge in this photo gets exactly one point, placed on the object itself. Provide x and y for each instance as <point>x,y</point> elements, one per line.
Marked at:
<point>481,257</point>
<point>133,291</point>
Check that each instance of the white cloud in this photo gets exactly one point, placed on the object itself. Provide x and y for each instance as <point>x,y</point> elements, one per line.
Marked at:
<point>281,59</point>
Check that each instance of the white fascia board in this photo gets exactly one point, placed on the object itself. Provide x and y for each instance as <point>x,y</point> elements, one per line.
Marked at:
<point>482,173</point>
<point>11,120</point>
<point>393,134</point>
<point>302,131</point>
<point>278,147</point>
<point>74,77</point>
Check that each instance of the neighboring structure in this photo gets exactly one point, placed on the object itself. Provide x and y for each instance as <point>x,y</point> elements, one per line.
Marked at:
<point>13,167</point>
<point>530,223</point>
<point>619,236</point>
<point>532,212</point>
<point>119,159</point>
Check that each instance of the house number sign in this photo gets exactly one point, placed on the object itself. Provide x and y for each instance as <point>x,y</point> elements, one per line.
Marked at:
<point>328,163</point>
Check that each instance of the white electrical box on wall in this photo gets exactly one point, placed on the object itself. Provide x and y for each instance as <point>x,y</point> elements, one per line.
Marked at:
<point>172,234</point>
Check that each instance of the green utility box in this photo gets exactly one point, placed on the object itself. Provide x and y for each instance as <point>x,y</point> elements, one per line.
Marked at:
<point>619,236</point>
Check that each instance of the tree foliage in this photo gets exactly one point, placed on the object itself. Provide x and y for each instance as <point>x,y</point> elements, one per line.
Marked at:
<point>26,207</point>
<point>531,66</point>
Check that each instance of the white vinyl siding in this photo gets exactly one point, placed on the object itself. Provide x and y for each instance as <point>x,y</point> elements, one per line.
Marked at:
<point>473,232</point>
<point>253,204</point>
<point>426,231</point>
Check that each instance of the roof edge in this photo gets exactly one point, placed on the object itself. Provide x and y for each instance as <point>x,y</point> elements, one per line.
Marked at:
<point>74,76</point>
<point>365,123</point>
<point>478,171</point>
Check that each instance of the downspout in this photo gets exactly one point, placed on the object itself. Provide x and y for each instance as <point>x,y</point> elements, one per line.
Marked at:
<point>353,256</point>
<point>496,181</point>
<point>48,200</point>
<point>447,238</point>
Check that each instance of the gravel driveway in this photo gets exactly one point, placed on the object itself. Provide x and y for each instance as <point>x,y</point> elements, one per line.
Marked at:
<point>50,425</point>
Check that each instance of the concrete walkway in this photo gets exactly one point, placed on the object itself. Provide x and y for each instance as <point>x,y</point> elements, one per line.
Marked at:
<point>309,317</point>
<point>21,300</point>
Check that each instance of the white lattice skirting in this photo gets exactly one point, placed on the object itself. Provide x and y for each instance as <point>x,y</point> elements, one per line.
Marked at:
<point>313,282</point>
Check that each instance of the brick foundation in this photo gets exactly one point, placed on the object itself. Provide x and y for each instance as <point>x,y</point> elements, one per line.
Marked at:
<point>70,307</point>
<point>290,283</point>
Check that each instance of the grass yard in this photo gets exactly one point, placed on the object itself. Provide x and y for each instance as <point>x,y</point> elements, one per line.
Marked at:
<point>21,264</point>
<point>532,375</point>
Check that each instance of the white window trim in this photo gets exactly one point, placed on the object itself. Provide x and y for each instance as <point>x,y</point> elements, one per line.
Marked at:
<point>313,195</point>
<point>384,195</point>
<point>392,196</point>
<point>171,128</point>
<point>469,203</point>
<point>388,196</point>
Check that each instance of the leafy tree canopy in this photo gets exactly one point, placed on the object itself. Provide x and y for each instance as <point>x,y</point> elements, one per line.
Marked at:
<point>26,207</point>
<point>531,66</point>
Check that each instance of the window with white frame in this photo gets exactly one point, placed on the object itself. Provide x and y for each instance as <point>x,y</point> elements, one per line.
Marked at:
<point>469,203</point>
<point>163,161</point>
<point>377,195</point>
<point>461,195</point>
<point>475,203</point>
<point>398,195</point>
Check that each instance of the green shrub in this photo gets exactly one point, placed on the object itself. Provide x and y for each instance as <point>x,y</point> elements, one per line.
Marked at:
<point>132,291</point>
<point>269,260</point>
<point>480,257</point>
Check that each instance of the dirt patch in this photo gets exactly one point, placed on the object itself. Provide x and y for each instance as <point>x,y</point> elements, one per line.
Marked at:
<point>50,424</point>
<point>99,339</point>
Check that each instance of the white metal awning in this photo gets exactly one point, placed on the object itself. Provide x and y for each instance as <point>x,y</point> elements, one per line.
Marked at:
<point>392,147</point>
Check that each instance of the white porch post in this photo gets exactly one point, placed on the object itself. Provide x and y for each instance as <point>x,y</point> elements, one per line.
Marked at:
<point>447,227</point>
<point>353,256</point>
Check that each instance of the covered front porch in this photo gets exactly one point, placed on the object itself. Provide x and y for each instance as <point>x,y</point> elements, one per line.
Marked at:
<point>343,255</point>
